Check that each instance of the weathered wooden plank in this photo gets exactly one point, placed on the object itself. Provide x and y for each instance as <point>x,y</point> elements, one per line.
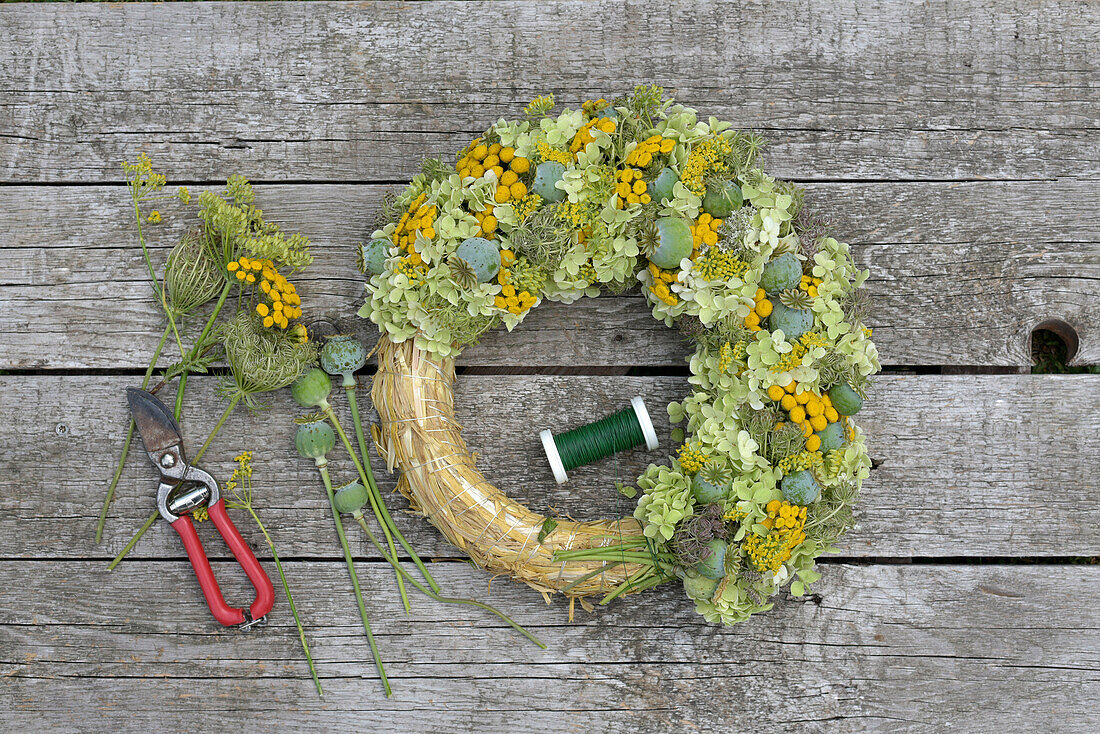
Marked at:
<point>937,90</point>
<point>963,461</point>
<point>961,273</point>
<point>872,650</point>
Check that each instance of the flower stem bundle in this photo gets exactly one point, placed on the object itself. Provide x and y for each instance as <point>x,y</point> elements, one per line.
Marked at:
<point>314,439</point>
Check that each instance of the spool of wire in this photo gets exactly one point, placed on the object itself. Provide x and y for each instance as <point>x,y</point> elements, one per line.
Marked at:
<point>620,431</point>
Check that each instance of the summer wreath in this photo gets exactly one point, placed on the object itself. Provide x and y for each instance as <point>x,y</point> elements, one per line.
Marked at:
<point>604,197</point>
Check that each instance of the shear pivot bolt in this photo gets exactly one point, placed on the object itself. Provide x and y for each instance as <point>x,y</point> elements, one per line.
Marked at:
<point>167,461</point>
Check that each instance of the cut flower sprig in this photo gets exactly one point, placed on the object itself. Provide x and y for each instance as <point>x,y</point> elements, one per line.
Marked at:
<point>239,496</point>
<point>263,355</point>
<point>314,439</point>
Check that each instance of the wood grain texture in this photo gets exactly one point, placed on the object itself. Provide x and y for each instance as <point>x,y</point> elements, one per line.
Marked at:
<point>954,143</point>
<point>876,648</point>
<point>960,275</point>
<point>360,92</point>
<point>966,465</point>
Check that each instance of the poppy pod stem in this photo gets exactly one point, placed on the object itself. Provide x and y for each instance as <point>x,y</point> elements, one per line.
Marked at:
<point>322,467</point>
<point>376,502</point>
<point>444,599</point>
<point>380,509</point>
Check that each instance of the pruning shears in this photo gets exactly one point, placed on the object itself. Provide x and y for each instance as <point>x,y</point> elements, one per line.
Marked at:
<point>184,488</point>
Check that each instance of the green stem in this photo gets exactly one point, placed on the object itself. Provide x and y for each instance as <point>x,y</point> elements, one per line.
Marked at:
<point>445,599</point>
<point>214,315</point>
<point>126,445</point>
<point>377,504</point>
<point>156,513</point>
<point>631,582</point>
<point>290,601</point>
<point>144,248</point>
<point>217,427</point>
<point>368,479</point>
<point>193,353</point>
<point>133,541</point>
<point>179,395</point>
<point>323,468</point>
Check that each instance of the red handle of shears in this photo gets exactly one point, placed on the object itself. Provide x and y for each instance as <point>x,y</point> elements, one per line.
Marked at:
<point>265,592</point>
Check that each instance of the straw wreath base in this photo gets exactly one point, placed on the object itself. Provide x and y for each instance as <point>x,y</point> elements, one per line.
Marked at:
<point>418,434</point>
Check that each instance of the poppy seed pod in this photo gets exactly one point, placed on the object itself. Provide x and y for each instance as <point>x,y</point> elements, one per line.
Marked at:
<point>351,498</point>
<point>314,438</point>
<point>343,354</point>
<point>312,389</point>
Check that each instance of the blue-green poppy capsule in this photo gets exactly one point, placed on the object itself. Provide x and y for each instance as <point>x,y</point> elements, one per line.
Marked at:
<point>314,438</point>
<point>342,355</point>
<point>312,389</point>
<point>351,498</point>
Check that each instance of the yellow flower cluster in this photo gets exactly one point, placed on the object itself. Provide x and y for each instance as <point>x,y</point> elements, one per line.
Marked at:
<point>242,473</point>
<point>550,154</point>
<point>631,188</point>
<point>284,304</point>
<point>786,524</point>
<point>587,269</point>
<point>761,309</point>
<point>419,218</point>
<point>573,213</point>
<point>705,230</point>
<point>725,357</point>
<point>719,265</point>
<point>793,358</point>
<point>692,458</point>
<point>509,299</point>
<point>477,158</point>
<point>810,284</point>
<point>705,159</point>
<point>412,270</point>
<point>487,221</point>
<point>800,461</point>
<point>643,154</point>
<point>807,409</point>
<point>527,206</point>
<point>584,136</point>
<point>662,279</point>
<point>154,217</point>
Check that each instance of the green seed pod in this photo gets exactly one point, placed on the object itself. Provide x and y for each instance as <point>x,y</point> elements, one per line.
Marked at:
<point>482,256</point>
<point>312,389</point>
<point>800,488</point>
<point>832,436</point>
<point>351,498</point>
<point>668,241</point>
<point>547,174</point>
<point>314,437</point>
<point>781,273</point>
<point>662,186</point>
<point>706,489</point>
<point>714,565</point>
<point>342,355</point>
<point>846,400</point>
<point>793,322</point>
<point>722,199</point>
<point>371,258</point>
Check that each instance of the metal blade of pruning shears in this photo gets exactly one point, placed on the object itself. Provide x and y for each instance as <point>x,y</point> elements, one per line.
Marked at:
<point>156,426</point>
